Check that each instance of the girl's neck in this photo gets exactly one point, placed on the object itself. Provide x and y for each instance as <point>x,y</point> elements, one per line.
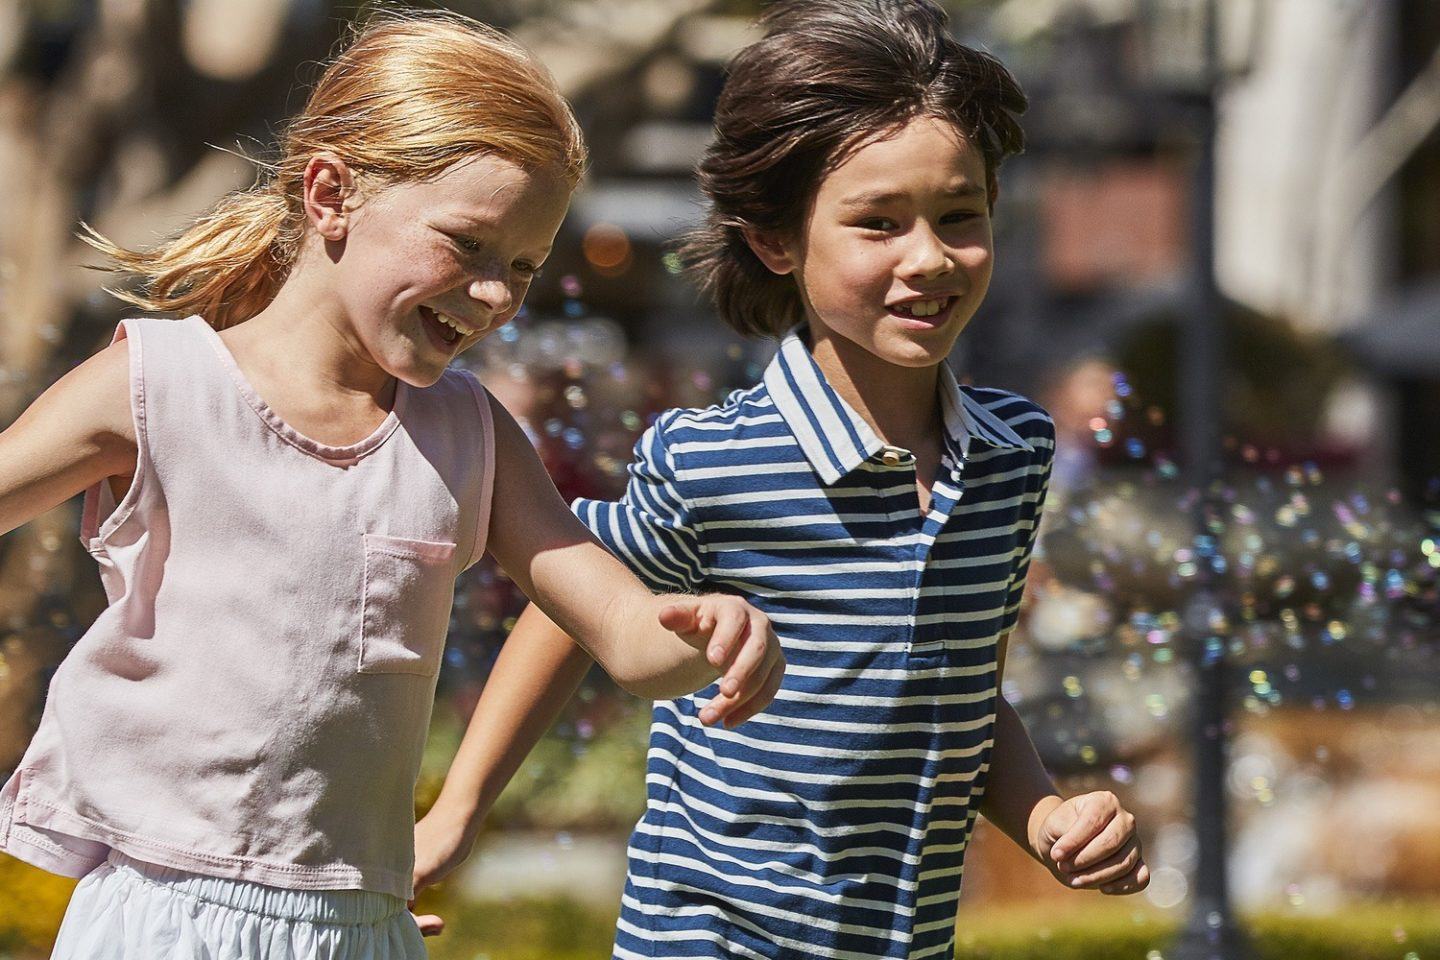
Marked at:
<point>901,404</point>
<point>300,338</point>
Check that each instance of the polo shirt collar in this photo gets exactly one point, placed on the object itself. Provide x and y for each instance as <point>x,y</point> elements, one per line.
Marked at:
<point>836,440</point>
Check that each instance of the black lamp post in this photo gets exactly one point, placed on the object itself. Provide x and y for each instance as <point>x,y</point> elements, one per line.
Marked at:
<point>1211,932</point>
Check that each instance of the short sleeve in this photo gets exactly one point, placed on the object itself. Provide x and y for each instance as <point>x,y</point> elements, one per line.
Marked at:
<point>650,528</point>
<point>1028,526</point>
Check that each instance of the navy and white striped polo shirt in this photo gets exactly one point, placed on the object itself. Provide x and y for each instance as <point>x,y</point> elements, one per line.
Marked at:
<point>833,824</point>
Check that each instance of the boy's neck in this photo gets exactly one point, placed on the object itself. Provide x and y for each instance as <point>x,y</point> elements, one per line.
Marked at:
<point>901,404</point>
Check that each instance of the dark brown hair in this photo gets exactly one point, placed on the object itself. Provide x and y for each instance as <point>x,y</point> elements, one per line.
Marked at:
<point>828,77</point>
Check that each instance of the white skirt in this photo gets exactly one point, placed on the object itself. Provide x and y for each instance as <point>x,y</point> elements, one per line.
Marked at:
<point>128,910</point>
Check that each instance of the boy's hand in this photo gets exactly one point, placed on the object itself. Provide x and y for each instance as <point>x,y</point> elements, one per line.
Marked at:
<point>1089,842</point>
<point>737,641</point>
<point>441,844</point>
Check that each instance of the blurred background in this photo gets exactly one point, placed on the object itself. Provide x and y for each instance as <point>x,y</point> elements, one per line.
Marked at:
<point>1306,257</point>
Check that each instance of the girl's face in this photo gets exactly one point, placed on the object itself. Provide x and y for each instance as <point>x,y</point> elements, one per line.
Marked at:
<point>427,269</point>
<point>895,254</point>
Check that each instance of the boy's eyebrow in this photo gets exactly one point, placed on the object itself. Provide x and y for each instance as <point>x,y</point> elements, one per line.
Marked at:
<point>961,191</point>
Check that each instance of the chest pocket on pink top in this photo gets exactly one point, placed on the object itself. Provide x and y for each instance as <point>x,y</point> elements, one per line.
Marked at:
<point>405,608</point>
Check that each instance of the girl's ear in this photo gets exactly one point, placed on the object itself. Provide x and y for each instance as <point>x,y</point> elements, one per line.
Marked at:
<point>329,195</point>
<point>770,249</point>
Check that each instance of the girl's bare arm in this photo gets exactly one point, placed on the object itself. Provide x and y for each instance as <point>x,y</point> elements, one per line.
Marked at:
<point>77,433</point>
<point>655,647</point>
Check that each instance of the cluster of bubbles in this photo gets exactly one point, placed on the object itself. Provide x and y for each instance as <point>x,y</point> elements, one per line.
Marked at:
<point>1318,596</point>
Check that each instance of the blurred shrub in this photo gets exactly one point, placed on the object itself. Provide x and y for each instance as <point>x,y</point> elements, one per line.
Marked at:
<point>594,785</point>
<point>521,930</point>
<point>1360,932</point>
<point>31,905</point>
<point>563,930</point>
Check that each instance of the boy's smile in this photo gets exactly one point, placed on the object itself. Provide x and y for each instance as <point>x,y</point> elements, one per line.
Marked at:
<point>895,254</point>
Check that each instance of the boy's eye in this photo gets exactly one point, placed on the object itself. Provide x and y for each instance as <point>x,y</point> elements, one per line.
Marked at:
<point>877,223</point>
<point>526,269</point>
<point>959,216</point>
<point>468,244</point>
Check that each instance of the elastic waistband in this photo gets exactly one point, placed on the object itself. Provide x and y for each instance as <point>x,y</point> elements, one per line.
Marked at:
<point>336,907</point>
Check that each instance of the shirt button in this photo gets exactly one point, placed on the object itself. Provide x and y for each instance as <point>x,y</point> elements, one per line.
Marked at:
<point>891,456</point>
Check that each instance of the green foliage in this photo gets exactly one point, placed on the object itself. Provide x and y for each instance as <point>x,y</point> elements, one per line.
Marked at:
<point>562,930</point>
<point>522,930</point>
<point>31,905</point>
<point>592,785</point>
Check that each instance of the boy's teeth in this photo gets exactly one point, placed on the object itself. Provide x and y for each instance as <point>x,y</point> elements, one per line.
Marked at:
<point>922,308</point>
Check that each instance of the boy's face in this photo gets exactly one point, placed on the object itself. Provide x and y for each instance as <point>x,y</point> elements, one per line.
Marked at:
<point>460,250</point>
<point>895,255</point>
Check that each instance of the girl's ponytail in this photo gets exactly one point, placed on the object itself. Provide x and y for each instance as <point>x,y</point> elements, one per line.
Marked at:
<point>226,267</point>
<point>411,94</point>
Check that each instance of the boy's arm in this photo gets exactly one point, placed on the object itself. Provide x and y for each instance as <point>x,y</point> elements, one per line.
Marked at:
<point>536,674</point>
<point>559,564</point>
<point>538,671</point>
<point>1086,842</point>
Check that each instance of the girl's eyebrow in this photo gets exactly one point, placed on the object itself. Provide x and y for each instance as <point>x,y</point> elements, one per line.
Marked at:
<point>961,191</point>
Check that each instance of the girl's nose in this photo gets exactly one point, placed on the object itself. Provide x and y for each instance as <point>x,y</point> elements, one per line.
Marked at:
<point>927,257</point>
<point>495,294</point>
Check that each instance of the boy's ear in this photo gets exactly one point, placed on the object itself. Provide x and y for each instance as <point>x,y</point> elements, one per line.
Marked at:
<point>771,250</point>
<point>330,195</point>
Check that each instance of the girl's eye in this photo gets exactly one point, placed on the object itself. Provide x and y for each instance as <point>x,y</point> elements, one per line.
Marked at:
<point>527,270</point>
<point>468,244</point>
<point>881,224</point>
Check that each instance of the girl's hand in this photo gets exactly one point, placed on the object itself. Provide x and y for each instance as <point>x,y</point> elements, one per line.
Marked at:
<point>737,640</point>
<point>1089,842</point>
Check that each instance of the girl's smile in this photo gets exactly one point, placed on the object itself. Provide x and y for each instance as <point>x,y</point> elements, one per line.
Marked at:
<point>428,269</point>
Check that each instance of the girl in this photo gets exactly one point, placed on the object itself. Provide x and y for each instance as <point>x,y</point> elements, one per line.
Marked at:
<point>280,506</point>
<point>881,514</point>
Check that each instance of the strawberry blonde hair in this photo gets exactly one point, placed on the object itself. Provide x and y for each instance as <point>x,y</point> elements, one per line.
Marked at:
<point>410,94</point>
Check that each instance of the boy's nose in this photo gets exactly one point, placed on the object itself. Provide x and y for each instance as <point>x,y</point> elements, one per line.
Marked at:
<point>927,256</point>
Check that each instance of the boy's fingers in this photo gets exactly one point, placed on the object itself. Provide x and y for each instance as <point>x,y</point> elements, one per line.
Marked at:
<point>1090,821</point>
<point>1134,882</point>
<point>1118,833</point>
<point>1111,869</point>
<point>430,925</point>
<point>734,710</point>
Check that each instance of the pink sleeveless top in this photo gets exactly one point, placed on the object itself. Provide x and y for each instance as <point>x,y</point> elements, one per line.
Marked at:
<point>254,701</point>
